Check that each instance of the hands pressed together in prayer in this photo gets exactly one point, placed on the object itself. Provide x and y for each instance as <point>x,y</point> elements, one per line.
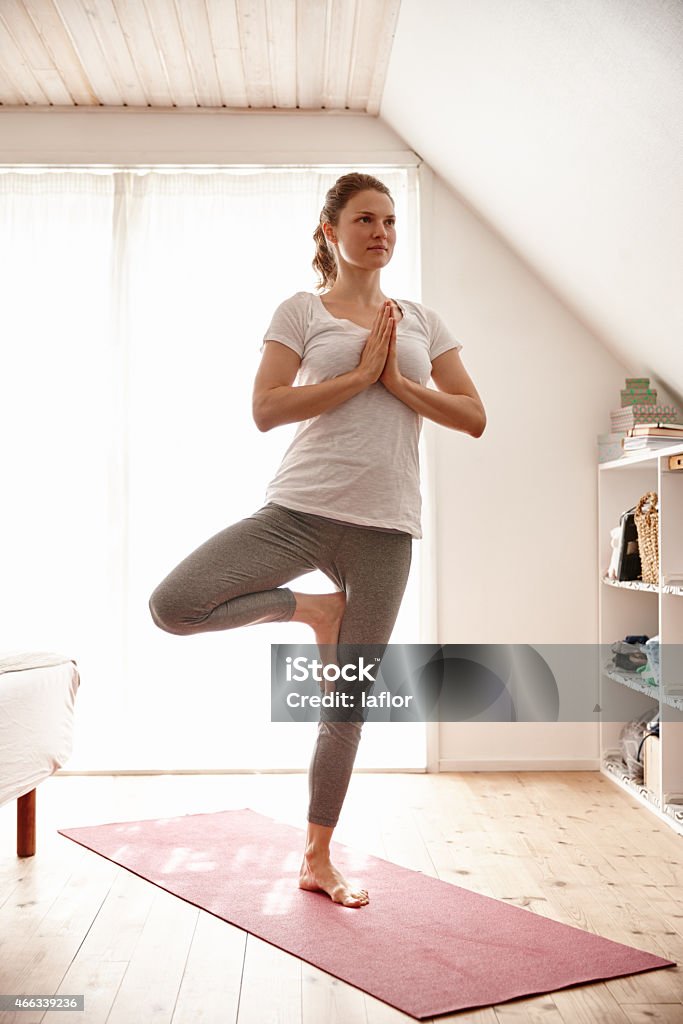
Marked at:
<point>378,359</point>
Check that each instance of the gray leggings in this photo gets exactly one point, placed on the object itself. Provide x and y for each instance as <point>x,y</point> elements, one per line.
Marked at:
<point>235,579</point>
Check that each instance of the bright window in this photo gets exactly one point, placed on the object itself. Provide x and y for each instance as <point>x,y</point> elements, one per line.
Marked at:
<point>133,312</point>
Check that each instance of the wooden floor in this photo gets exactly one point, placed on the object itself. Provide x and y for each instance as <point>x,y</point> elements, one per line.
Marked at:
<point>570,846</point>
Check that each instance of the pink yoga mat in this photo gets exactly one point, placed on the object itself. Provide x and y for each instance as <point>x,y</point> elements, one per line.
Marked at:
<point>424,946</point>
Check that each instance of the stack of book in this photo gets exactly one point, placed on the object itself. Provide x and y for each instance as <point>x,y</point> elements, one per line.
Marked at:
<point>639,409</point>
<point>653,436</point>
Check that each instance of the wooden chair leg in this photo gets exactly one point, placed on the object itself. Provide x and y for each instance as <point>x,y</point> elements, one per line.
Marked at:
<point>26,824</point>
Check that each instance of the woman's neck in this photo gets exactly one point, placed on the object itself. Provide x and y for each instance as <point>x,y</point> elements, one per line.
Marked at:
<point>355,298</point>
<point>361,290</point>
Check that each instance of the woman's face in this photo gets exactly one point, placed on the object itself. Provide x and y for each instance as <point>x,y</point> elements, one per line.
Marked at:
<point>366,232</point>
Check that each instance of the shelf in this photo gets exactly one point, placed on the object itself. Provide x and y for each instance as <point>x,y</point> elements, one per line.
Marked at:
<point>676,589</point>
<point>631,679</point>
<point>674,809</point>
<point>634,682</point>
<point>672,701</point>
<point>671,812</point>
<point>653,588</point>
<point>614,764</point>
<point>643,455</point>
<point>621,483</point>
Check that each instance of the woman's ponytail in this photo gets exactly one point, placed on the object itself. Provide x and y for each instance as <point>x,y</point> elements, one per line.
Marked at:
<point>324,261</point>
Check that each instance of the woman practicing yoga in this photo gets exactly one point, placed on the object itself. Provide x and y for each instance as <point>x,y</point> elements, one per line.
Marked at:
<point>346,497</point>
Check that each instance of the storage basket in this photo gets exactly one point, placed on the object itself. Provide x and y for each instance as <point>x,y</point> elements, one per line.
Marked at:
<point>647,525</point>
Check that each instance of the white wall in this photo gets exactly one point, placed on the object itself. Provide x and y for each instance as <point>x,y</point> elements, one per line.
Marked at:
<point>517,508</point>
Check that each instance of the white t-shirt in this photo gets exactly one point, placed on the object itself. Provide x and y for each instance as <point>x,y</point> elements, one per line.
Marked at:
<point>358,462</point>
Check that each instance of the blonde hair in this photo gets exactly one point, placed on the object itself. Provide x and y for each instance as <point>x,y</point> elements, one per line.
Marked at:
<point>324,261</point>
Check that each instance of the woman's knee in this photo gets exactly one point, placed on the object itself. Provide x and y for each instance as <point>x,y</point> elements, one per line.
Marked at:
<point>341,733</point>
<point>164,612</point>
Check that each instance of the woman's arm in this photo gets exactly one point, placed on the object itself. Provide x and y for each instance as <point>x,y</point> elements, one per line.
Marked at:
<point>456,404</point>
<point>275,401</point>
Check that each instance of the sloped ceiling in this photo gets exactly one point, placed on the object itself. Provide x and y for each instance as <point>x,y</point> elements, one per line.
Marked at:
<point>561,123</point>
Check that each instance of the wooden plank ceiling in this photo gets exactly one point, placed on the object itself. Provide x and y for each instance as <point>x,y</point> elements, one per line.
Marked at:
<point>258,54</point>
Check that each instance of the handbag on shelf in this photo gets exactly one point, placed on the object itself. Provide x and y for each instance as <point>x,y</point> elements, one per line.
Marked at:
<point>646,517</point>
<point>629,554</point>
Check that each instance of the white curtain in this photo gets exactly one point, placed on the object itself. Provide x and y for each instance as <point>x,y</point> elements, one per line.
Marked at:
<point>134,303</point>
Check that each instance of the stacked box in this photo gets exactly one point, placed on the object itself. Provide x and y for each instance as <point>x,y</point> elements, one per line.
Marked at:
<point>637,391</point>
<point>610,446</point>
<point>609,452</point>
<point>625,418</point>
<point>614,438</point>
<point>638,397</point>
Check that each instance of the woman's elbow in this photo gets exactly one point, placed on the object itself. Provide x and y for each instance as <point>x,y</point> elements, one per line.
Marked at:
<point>480,425</point>
<point>260,415</point>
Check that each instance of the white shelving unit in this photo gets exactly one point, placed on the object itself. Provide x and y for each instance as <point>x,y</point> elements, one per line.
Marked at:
<point>636,608</point>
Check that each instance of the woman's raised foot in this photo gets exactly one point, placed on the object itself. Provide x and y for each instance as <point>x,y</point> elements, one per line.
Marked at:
<point>323,613</point>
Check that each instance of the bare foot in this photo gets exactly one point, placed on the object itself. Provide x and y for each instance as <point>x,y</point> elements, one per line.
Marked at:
<point>323,613</point>
<point>318,874</point>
